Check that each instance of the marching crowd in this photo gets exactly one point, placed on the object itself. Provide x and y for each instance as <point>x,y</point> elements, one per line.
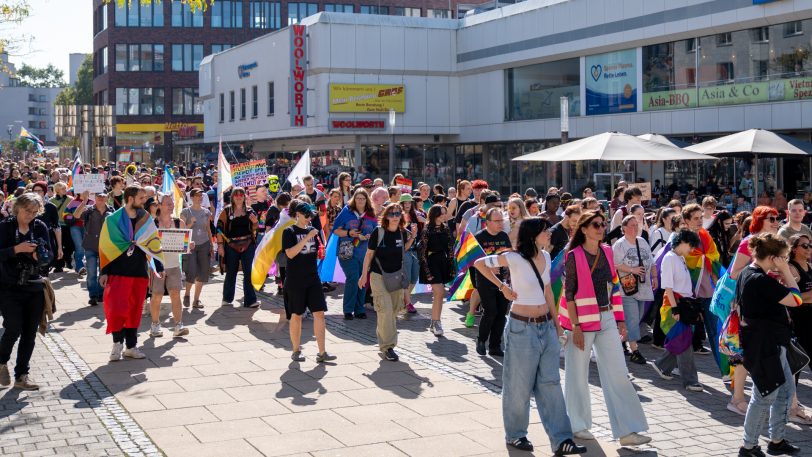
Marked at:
<point>548,276</point>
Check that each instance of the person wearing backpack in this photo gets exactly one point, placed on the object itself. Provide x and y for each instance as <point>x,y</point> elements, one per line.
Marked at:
<point>387,278</point>
<point>532,345</point>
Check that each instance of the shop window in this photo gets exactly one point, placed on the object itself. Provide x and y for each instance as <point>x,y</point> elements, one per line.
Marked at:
<point>535,91</point>
<point>265,15</point>
<point>226,14</point>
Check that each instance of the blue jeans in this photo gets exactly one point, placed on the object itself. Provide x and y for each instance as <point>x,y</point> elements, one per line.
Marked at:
<point>633,309</point>
<point>711,329</point>
<point>77,234</point>
<point>531,368</point>
<point>233,260</point>
<point>353,296</point>
<point>92,264</point>
<point>412,267</point>
<point>775,405</point>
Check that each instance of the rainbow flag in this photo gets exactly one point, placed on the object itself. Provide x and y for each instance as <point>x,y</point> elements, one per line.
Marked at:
<point>170,187</point>
<point>678,336</point>
<point>118,236</point>
<point>330,268</point>
<point>267,250</point>
<point>704,257</point>
<point>25,134</point>
<point>466,253</point>
<point>75,169</point>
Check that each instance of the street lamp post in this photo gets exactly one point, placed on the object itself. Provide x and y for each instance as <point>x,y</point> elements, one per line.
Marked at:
<point>392,121</point>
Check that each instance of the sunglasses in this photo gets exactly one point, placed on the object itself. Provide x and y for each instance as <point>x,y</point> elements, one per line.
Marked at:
<point>395,214</point>
<point>772,219</point>
<point>598,225</point>
<point>805,245</point>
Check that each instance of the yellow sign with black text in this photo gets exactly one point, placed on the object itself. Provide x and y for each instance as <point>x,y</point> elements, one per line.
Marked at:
<point>367,98</point>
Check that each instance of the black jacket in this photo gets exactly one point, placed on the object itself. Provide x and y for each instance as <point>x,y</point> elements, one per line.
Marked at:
<point>10,263</point>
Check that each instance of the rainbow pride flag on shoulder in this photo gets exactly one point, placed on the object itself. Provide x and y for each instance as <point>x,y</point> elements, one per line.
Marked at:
<point>118,236</point>
<point>468,251</point>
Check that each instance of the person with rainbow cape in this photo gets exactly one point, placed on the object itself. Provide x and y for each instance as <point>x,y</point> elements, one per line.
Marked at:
<point>127,244</point>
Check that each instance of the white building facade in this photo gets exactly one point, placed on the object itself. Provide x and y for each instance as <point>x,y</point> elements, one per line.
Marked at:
<point>29,107</point>
<point>471,94</point>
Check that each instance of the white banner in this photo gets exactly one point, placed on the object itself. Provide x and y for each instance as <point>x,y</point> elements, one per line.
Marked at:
<point>92,183</point>
<point>175,240</point>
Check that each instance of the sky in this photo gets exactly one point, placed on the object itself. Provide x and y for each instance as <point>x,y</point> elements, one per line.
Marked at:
<point>54,29</point>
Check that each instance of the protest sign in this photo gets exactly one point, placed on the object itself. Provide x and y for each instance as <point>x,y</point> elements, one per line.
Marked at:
<point>175,240</point>
<point>92,183</point>
<point>405,185</point>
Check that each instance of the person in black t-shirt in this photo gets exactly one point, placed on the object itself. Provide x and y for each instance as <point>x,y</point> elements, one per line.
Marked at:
<point>301,245</point>
<point>765,340</point>
<point>386,255</point>
<point>494,304</point>
<point>260,206</point>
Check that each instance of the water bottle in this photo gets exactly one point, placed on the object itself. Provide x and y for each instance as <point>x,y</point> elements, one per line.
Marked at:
<point>562,340</point>
<point>320,254</point>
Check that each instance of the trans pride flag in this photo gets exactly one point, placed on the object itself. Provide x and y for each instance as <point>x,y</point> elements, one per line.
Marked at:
<point>267,250</point>
<point>25,134</point>
<point>169,187</point>
<point>118,236</point>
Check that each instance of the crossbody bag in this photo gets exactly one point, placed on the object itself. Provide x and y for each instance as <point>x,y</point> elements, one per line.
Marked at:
<point>396,280</point>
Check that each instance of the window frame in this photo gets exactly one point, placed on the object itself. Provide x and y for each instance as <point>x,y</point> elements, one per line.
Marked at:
<point>271,99</point>
<point>231,107</point>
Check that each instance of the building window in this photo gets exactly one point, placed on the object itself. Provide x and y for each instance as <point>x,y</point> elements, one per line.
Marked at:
<point>265,15</point>
<point>534,91</point>
<point>374,9</point>
<point>100,18</point>
<point>404,11</point>
<point>793,28</point>
<point>724,39</point>
<point>222,107</point>
<point>438,13</point>
<point>761,34</point>
<point>182,16</point>
<point>270,99</point>
<point>136,15</point>
<point>140,57</point>
<point>185,102</point>
<point>691,44</point>
<point>231,106</point>
<point>242,103</point>
<point>254,101</point>
<point>139,101</point>
<point>226,14</point>
<point>724,72</point>
<point>299,11</point>
<point>215,48</point>
<point>186,57</point>
<point>339,8</point>
<point>101,61</point>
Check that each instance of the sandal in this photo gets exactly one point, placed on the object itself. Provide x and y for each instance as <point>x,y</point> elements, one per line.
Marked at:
<point>799,416</point>
<point>739,408</point>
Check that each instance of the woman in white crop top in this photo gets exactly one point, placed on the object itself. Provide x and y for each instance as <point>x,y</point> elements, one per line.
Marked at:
<point>531,336</point>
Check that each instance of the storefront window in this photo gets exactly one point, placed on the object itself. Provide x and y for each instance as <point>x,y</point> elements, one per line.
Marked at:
<point>535,91</point>
<point>755,65</point>
<point>468,162</point>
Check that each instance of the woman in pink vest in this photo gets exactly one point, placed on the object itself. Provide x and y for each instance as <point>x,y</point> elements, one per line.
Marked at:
<point>591,308</point>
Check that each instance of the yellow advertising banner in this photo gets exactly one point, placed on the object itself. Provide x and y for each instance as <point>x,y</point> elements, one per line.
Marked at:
<point>367,98</point>
<point>139,139</point>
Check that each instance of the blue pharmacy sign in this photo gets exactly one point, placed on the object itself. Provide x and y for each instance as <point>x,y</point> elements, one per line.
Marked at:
<point>611,82</point>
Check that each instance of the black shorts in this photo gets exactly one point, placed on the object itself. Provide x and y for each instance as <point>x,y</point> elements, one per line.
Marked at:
<point>305,297</point>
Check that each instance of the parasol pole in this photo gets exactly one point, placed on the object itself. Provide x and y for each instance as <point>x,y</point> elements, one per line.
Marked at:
<point>755,184</point>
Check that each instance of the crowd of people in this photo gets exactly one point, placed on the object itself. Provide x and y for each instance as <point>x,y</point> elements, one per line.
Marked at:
<point>551,276</point>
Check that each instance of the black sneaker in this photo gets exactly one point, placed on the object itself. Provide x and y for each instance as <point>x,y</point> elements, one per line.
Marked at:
<point>754,451</point>
<point>702,351</point>
<point>93,302</point>
<point>361,316</point>
<point>390,355</point>
<point>626,351</point>
<point>496,352</point>
<point>480,347</point>
<point>782,448</point>
<point>568,447</point>
<point>637,358</point>
<point>522,444</point>
<point>348,316</point>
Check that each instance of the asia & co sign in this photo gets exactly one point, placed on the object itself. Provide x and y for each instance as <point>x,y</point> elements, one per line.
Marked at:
<point>780,90</point>
<point>367,98</point>
<point>298,76</point>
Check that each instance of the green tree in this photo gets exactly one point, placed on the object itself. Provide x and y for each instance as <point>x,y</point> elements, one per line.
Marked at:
<point>81,93</point>
<point>49,76</point>
<point>11,12</point>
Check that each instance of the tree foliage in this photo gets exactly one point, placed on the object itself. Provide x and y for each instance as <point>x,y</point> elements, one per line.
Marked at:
<point>194,5</point>
<point>11,12</point>
<point>81,93</point>
<point>49,76</point>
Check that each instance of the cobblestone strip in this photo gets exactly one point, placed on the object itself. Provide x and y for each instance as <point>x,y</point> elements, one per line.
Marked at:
<point>127,434</point>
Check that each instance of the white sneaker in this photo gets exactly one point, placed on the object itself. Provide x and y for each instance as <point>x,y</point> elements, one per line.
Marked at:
<point>155,330</point>
<point>180,330</point>
<point>661,373</point>
<point>134,353</point>
<point>437,328</point>
<point>5,377</point>
<point>226,303</point>
<point>115,354</point>
<point>694,387</point>
<point>634,439</point>
<point>584,435</point>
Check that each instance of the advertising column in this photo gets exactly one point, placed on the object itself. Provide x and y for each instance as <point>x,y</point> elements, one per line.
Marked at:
<point>611,82</point>
<point>298,77</point>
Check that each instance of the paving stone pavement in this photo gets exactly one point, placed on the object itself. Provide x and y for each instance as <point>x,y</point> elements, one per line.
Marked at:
<point>230,388</point>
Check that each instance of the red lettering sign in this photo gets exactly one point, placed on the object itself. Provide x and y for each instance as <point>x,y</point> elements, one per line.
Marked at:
<point>298,76</point>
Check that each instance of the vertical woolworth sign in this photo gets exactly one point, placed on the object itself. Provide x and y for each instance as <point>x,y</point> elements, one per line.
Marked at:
<point>298,76</point>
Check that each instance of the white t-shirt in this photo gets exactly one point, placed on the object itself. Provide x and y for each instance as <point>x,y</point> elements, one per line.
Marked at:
<point>707,222</point>
<point>674,274</point>
<point>626,253</point>
<point>658,238</point>
<point>523,280</point>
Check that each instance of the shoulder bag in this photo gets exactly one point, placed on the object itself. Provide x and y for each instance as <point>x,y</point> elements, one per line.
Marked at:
<point>630,282</point>
<point>396,280</point>
<point>346,247</point>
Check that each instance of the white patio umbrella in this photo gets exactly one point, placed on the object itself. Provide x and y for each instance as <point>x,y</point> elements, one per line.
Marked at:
<point>657,138</point>
<point>753,143</point>
<point>611,146</point>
